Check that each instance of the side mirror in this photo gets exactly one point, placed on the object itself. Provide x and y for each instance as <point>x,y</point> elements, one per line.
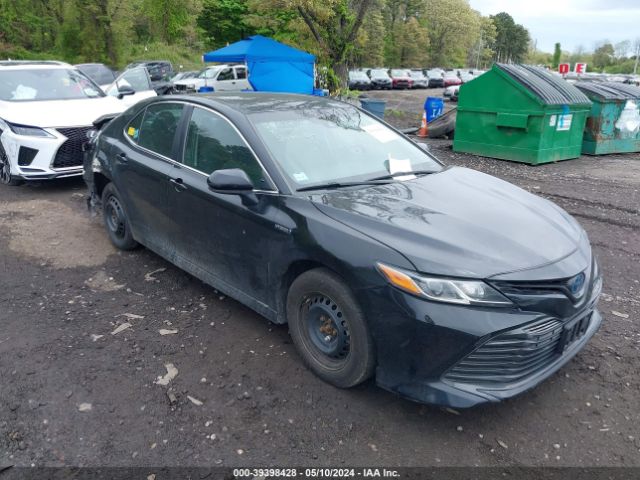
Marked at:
<point>125,90</point>
<point>233,181</point>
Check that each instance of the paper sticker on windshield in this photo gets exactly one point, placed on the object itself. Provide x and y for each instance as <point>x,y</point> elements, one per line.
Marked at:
<point>300,177</point>
<point>397,165</point>
<point>379,132</point>
<point>564,122</point>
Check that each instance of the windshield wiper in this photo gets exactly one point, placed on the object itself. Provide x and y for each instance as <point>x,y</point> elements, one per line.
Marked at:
<point>404,174</point>
<point>334,185</point>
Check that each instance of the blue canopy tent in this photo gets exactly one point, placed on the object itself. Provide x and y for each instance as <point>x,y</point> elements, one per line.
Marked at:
<point>273,66</point>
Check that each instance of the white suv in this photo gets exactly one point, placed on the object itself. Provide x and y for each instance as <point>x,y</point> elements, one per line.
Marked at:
<point>46,110</point>
<point>220,77</point>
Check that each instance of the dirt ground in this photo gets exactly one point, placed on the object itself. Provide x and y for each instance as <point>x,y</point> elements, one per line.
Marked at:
<point>83,360</point>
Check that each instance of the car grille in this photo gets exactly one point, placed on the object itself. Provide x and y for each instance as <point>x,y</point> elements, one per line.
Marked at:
<point>180,87</point>
<point>70,152</point>
<point>511,356</point>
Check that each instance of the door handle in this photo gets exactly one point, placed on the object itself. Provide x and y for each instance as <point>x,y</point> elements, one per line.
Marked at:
<point>122,157</point>
<point>178,184</point>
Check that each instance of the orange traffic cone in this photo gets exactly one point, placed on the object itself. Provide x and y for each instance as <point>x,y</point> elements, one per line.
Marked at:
<point>424,130</point>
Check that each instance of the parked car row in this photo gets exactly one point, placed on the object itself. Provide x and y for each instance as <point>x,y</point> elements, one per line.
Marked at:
<point>402,78</point>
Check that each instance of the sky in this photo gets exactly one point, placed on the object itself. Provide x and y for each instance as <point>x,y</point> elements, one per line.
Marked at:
<point>573,23</point>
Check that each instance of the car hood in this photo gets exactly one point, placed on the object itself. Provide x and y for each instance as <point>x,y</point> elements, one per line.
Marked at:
<point>458,222</point>
<point>60,113</point>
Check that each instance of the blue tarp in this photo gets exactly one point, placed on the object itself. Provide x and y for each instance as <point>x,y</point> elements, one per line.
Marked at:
<point>273,66</point>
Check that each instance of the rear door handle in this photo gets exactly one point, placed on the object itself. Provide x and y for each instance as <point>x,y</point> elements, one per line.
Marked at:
<point>122,157</point>
<point>178,184</point>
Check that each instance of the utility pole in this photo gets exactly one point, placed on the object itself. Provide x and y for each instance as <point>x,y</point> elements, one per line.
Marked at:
<point>635,67</point>
<point>480,49</point>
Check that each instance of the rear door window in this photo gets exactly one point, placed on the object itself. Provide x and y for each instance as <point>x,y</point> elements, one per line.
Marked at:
<point>226,74</point>
<point>156,127</point>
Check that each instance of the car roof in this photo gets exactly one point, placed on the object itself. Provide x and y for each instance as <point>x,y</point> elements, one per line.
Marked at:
<point>247,103</point>
<point>45,64</point>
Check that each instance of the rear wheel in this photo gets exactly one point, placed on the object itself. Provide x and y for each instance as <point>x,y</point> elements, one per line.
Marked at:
<point>115,219</point>
<point>329,330</point>
<point>6,178</point>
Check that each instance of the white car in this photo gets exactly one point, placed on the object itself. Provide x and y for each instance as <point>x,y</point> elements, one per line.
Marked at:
<point>220,77</point>
<point>451,91</point>
<point>135,83</point>
<point>46,111</point>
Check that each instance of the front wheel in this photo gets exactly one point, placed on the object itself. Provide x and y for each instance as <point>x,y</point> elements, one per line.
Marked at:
<point>6,178</point>
<point>115,219</point>
<point>329,330</point>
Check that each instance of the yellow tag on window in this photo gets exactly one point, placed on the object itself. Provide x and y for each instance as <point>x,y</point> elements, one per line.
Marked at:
<point>131,132</point>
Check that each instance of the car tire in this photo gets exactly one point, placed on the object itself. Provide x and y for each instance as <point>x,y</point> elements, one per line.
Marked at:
<point>5,170</point>
<point>329,330</point>
<point>115,219</point>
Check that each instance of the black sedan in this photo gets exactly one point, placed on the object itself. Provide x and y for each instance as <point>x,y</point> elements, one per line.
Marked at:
<point>449,286</point>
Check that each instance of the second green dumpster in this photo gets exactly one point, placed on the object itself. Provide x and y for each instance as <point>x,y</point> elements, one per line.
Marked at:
<point>521,113</point>
<point>613,125</point>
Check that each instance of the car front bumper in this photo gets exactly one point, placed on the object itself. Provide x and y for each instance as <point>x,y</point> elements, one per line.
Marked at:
<point>381,84</point>
<point>422,348</point>
<point>45,158</point>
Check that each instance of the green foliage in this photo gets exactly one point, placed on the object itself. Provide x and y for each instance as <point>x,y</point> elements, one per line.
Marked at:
<point>603,56</point>
<point>341,33</point>
<point>224,21</point>
<point>557,54</point>
<point>626,66</point>
<point>512,40</point>
<point>453,29</point>
<point>181,57</point>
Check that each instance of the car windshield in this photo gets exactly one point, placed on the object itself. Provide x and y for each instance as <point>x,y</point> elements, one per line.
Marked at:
<point>209,72</point>
<point>434,73</point>
<point>98,73</point>
<point>416,74</point>
<point>37,84</point>
<point>379,73</point>
<point>357,75</point>
<point>330,142</point>
<point>398,73</point>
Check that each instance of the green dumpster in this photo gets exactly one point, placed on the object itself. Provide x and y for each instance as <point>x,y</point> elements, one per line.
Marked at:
<point>521,113</point>
<point>613,125</point>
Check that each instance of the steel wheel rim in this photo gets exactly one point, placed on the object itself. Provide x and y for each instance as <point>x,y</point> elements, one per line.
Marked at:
<point>326,328</point>
<point>5,166</point>
<point>115,217</point>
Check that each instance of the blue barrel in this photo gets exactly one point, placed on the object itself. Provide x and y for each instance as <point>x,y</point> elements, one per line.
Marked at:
<point>375,107</point>
<point>205,90</point>
<point>434,107</point>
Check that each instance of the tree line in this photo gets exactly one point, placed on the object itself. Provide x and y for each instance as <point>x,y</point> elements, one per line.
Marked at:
<point>394,33</point>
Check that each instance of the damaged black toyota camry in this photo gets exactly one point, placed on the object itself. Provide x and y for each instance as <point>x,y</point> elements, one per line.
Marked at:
<point>447,285</point>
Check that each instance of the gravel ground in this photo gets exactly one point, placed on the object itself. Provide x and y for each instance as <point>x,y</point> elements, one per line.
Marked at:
<point>83,358</point>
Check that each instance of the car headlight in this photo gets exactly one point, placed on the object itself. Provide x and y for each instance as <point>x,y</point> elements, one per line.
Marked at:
<point>447,290</point>
<point>29,131</point>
